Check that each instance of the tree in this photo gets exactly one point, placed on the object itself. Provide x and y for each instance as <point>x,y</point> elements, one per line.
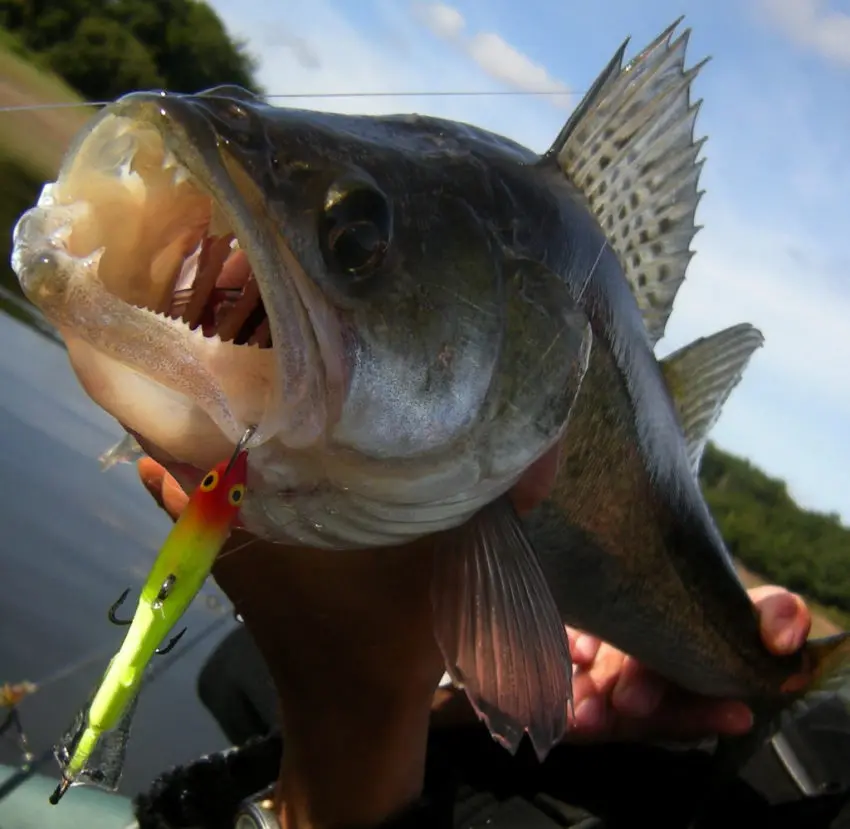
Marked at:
<point>106,48</point>
<point>103,60</point>
<point>771,534</point>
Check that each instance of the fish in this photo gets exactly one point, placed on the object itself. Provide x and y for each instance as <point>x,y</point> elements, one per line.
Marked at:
<point>94,747</point>
<point>413,312</point>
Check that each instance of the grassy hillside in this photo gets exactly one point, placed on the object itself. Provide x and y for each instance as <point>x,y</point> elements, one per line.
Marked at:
<point>32,143</point>
<point>36,139</point>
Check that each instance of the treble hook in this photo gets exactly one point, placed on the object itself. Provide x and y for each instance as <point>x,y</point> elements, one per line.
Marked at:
<point>112,610</point>
<point>161,596</point>
<point>170,646</point>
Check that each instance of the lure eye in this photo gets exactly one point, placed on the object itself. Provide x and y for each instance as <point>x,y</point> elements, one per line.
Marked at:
<point>236,494</point>
<point>210,482</point>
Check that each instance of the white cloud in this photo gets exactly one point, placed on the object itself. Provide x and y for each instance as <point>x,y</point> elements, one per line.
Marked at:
<point>501,60</point>
<point>493,54</point>
<point>392,57</point>
<point>809,23</point>
<point>444,21</point>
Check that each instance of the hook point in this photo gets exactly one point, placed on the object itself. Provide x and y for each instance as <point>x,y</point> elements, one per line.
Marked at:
<point>115,605</point>
<point>170,646</point>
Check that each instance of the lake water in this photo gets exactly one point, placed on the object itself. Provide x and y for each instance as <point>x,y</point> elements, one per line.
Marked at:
<point>72,538</point>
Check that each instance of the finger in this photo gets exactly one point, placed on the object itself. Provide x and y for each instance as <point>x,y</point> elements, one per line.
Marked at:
<point>785,620</point>
<point>638,691</point>
<point>591,714</point>
<point>583,689</point>
<point>591,689</point>
<point>583,647</point>
<point>151,475</point>
<point>162,486</point>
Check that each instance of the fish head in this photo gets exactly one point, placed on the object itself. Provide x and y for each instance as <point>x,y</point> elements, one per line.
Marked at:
<point>338,282</point>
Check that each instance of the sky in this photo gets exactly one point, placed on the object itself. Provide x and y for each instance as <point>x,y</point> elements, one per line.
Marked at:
<point>775,244</point>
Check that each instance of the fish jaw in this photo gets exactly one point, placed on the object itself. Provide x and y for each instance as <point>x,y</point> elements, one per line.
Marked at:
<point>141,192</point>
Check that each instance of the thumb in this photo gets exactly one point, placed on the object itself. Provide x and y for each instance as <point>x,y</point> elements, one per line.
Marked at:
<point>162,486</point>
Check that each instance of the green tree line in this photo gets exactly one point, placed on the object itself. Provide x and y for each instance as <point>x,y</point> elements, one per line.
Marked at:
<point>772,535</point>
<point>104,48</point>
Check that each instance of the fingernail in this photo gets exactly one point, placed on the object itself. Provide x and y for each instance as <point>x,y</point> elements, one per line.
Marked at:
<point>779,620</point>
<point>589,713</point>
<point>586,647</point>
<point>790,639</point>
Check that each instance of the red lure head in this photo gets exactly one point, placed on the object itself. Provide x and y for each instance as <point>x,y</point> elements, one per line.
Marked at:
<point>218,498</point>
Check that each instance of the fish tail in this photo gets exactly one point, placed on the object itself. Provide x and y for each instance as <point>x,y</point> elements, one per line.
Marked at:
<point>825,670</point>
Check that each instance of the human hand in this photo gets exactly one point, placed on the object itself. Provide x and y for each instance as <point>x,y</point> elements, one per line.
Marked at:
<point>617,698</point>
<point>162,486</point>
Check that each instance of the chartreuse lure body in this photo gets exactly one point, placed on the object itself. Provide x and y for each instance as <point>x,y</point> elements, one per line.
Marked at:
<point>93,750</point>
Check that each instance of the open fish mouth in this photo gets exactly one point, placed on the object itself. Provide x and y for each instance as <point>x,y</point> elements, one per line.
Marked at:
<point>183,311</point>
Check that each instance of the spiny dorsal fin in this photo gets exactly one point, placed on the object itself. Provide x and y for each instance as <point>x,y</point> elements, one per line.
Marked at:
<point>701,377</point>
<point>629,147</point>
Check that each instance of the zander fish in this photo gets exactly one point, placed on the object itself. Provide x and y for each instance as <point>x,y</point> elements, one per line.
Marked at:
<point>413,311</point>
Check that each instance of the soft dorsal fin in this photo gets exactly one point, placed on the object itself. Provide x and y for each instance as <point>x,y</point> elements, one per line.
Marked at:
<point>629,147</point>
<point>701,377</point>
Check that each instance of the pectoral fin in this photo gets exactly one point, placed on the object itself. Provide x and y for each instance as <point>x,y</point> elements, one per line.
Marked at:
<point>500,631</point>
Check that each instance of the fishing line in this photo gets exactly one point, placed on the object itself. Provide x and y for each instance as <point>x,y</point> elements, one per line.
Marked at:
<point>71,669</point>
<point>592,270</point>
<point>483,93</point>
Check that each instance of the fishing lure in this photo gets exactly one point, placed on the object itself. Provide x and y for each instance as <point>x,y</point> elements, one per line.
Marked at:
<point>93,749</point>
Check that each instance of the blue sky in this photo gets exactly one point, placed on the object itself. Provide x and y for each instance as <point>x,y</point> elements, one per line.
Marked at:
<point>775,249</point>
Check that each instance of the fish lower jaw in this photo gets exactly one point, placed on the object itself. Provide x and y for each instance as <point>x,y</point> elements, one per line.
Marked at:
<point>139,269</point>
<point>192,395</point>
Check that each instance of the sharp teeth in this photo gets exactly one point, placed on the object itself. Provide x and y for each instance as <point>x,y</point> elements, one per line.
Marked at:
<point>46,199</point>
<point>116,156</point>
<point>232,320</point>
<point>169,160</point>
<point>234,244</point>
<point>212,256</point>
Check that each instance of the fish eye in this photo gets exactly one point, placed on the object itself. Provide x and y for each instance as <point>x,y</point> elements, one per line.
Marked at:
<point>355,229</point>
<point>210,482</point>
<point>237,492</point>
